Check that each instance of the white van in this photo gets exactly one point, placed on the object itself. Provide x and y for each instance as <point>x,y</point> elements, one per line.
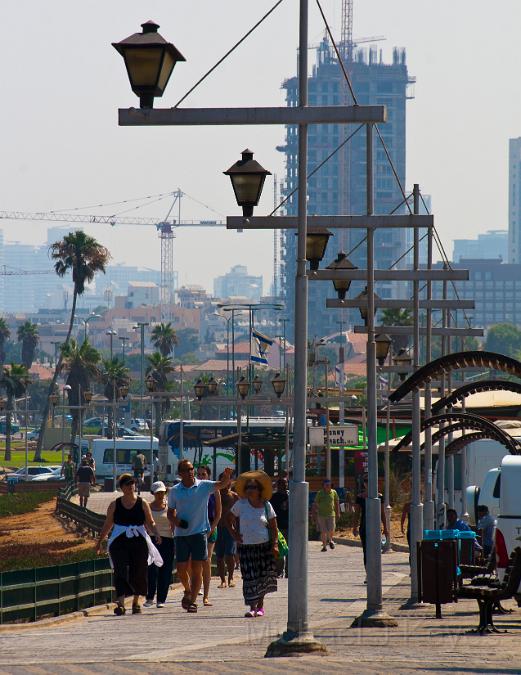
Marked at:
<point>484,495</point>
<point>126,449</point>
<point>508,529</point>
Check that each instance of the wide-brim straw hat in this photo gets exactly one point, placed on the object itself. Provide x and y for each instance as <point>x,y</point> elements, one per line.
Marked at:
<point>261,477</point>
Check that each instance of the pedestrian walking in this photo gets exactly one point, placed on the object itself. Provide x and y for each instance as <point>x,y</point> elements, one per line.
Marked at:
<point>280,503</point>
<point>225,546</point>
<point>214,516</point>
<point>326,508</point>
<point>68,471</point>
<point>360,519</point>
<point>91,461</point>
<point>188,512</point>
<point>159,578</point>
<point>84,479</point>
<point>253,524</point>
<point>139,465</point>
<point>130,548</point>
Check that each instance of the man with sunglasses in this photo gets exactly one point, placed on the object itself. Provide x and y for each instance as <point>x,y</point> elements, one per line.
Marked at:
<point>188,515</point>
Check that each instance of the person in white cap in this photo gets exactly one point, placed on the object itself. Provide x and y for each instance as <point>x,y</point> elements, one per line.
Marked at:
<point>159,578</point>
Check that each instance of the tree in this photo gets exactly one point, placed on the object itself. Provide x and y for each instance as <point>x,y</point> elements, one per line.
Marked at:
<point>159,368</point>
<point>27,334</point>
<point>164,338</point>
<point>503,338</point>
<point>397,317</point>
<point>14,379</point>
<point>187,342</point>
<point>83,256</point>
<point>81,364</point>
<point>113,375</point>
<point>5,334</point>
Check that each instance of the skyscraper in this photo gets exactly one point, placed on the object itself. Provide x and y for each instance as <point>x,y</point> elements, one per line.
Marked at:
<point>339,187</point>
<point>514,201</point>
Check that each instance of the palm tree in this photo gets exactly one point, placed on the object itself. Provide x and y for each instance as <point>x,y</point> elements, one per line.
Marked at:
<point>159,368</point>
<point>28,335</point>
<point>82,255</point>
<point>164,338</point>
<point>81,363</point>
<point>113,375</point>
<point>5,334</point>
<point>15,380</point>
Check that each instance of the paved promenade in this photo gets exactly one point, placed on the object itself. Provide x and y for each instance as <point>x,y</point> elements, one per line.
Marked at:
<point>219,639</point>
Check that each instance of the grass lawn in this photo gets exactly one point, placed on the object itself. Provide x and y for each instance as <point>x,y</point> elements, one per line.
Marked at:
<point>15,504</point>
<point>18,458</point>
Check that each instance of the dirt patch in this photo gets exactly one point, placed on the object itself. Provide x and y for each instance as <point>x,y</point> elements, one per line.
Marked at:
<point>396,535</point>
<point>38,538</point>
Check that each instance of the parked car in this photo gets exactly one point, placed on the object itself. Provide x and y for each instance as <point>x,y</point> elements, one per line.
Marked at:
<point>94,421</point>
<point>44,477</point>
<point>15,428</point>
<point>32,472</point>
<point>138,424</point>
<point>121,431</point>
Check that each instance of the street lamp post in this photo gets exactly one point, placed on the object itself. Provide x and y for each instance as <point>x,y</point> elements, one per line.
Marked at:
<point>124,341</point>
<point>111,334</point>
<point>142,325</point>
<point>86,324</point>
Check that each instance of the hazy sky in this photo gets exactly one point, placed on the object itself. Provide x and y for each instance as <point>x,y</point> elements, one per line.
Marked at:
<point>62,83</point>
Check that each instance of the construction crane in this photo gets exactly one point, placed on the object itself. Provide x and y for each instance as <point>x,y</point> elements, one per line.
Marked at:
<point>165,228</point>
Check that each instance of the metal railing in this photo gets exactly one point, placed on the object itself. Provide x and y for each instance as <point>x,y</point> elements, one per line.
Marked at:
<point>88,521</point>
<point>29,595</point>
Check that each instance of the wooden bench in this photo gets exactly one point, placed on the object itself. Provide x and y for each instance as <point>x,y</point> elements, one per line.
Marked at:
<point>487,595</point>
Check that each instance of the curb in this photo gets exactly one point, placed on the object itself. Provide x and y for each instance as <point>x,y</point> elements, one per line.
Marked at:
<point>398,548</point>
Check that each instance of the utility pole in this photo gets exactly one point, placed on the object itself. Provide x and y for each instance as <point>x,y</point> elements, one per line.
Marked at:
<point>341,403</point>
<point>142,325</point>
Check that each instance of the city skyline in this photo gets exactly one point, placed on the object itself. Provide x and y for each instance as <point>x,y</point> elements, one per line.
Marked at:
<point>65,150</point>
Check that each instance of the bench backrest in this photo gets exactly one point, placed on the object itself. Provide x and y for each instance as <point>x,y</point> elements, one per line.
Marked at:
<point>512,577</point>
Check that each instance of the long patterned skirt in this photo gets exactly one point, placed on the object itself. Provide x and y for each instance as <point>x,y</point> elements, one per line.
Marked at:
<point>258,570</point>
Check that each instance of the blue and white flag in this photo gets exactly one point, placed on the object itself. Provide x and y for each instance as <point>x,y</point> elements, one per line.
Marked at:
<point>260,346</point>
<point>339,375</point>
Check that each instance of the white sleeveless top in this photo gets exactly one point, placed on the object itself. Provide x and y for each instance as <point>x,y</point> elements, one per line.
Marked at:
<point>163,524</point>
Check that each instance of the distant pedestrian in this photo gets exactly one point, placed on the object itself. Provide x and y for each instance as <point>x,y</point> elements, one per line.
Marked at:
<point>91,461</point>
<point>360,523</point>
<point>188,512</point>
<point>139,465</point>
<point>326,508</point>
<point>253,525</point>
<point>130,547</point>
<point>214,516</point>
<point>68,471</point>
<point>280,503</point>
<point>84,480</point>
<point>159,578</point>
<point>225,546</point>
<point>455,523</point>
<point>486,525</point>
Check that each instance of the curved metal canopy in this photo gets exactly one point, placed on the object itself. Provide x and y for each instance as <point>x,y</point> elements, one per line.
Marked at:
<point>460,422</point>
<point>474,388</point>
<point>445,364</point>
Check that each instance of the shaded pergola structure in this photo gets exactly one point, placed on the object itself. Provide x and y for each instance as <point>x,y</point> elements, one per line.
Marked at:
<point>456,361</point>
<point>460,394</point>
<point>463,422</point>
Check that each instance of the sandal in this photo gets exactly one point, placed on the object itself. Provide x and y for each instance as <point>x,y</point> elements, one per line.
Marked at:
<point>222,584</point>
<point>207,603</point>
<point>185,602</point>
<point>231,583</point>
<point>192,608</point>
<point>136,609</point>
<point>119,610</point>
<point>250,614</point>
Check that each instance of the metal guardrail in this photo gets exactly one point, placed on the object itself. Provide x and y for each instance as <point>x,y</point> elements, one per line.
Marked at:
<point>87,520</point>
<point>29,595</point>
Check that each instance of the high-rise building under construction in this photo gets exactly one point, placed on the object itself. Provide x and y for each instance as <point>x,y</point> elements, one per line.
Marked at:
<point>339,187</point>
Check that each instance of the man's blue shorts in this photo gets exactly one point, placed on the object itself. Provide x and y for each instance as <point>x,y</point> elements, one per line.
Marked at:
<point>225,544</point>
<point>192,546</point>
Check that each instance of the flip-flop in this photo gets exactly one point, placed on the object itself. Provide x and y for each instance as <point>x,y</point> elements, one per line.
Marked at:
<point>119,610</point>
<point>250,615</point>
<point>222,584</point>
<point>192,608</point>
<point>231,583</point>
<point>186,602</point>
<point>207,603</point>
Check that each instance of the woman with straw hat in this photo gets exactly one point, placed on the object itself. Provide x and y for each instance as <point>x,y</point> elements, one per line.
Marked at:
<point>253,525</point>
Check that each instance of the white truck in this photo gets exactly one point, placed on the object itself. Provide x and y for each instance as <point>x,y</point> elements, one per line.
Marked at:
<point>508,529</point>
<point>126,449</point>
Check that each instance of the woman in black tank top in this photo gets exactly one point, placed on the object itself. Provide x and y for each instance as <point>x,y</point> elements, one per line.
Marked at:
<point>128,550</point>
